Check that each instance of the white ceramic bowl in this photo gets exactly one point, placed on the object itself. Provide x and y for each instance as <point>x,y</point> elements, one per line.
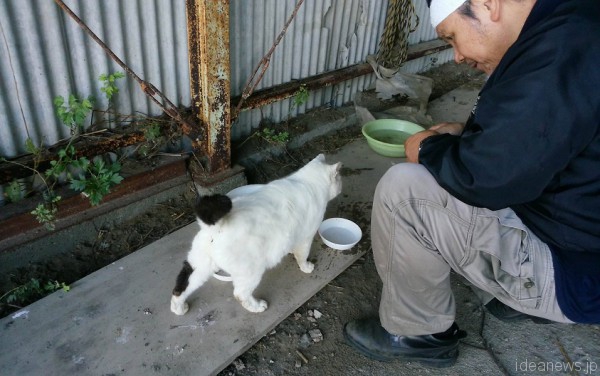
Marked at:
<point>244,190</point>
<point>340,233</point>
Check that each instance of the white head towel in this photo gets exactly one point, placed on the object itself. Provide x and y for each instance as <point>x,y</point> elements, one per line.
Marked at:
<point>440,9</point>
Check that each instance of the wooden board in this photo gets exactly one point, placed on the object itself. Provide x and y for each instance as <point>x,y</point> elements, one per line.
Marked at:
<point>117,320</point>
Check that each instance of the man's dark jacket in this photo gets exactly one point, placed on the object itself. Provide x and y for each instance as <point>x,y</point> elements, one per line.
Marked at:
<point>532,143</point>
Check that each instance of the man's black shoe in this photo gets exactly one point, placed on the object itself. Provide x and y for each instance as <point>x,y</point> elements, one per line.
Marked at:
<point>507,314</point>
<point>435,350</point>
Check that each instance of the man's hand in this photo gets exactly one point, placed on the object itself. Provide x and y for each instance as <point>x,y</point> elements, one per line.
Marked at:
<point>450,128</point>
<point>411,145</point>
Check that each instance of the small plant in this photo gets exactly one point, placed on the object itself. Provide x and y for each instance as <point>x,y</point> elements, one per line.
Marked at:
<point>14,191</point>
<point>52,286</point>
<point>153,137</point>
<point>300,97</point>
<point>273,136</point>
<point>109,88</point>
<point>152,131</point>
<point>45,212</point>
<point>93,179</point>
<point>33,149</point>
<point>66,157</point>
<point>32,290</point>
<point>97,180</point>
<point>75,113</point>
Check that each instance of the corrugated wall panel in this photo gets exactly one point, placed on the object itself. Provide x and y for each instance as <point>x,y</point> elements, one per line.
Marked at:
<point>325,35</point>
<point>44,53</point>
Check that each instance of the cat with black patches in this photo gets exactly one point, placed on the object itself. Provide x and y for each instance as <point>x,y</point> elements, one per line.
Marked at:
<point>249,234</point>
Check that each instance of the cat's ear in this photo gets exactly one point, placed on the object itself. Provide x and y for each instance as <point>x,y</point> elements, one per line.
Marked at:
<point>320,157</point>
<point>335,169</point>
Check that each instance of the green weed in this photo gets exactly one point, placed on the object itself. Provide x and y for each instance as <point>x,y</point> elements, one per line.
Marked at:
<point>93,179</point>
<point>96,179</point>
<point>300,97</point>
<point>31,291</point>
<point>153,136</point>
<point>14,191</point>
<point>74,114</point>
<point>45,212</point>
<point>109,88</point>
<point>272,136</point>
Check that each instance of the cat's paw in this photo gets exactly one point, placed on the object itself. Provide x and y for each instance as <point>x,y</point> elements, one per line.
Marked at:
<point>307,267</point>
<point>178,307</point>
<point>255,305</point>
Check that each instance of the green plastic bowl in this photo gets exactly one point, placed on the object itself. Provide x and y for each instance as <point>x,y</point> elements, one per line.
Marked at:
<point>387,136</point>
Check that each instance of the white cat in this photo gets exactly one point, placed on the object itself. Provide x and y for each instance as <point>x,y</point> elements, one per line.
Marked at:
<point>246,235</point>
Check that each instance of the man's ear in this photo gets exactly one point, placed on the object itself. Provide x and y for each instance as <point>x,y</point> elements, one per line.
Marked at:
<point>494,8</point>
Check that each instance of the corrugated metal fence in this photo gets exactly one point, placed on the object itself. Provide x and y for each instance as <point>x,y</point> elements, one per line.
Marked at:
<point>44,53</point>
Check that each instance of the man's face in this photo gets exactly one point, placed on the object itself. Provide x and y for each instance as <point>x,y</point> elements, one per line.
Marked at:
<point>477,42</point>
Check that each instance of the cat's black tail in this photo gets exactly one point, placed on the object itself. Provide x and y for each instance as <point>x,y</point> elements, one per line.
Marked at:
<point>210,209</point>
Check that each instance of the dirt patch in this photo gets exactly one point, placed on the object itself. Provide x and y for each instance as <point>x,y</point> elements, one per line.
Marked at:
<point>309,341</point>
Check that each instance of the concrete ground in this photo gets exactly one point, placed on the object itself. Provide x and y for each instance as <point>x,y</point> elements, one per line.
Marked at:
<point>117,320</point>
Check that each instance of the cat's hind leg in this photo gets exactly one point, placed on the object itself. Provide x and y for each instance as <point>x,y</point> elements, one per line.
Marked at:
<point>188,281</point>
<point>301,252</point>
<point>243,286</point>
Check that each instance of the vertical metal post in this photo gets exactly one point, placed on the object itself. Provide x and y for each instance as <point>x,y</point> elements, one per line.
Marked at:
<point>208,45</point>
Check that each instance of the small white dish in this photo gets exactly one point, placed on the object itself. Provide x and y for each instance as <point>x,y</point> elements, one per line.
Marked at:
<point>222,276</point>
<point>340,233</point>
<point>244,190</point>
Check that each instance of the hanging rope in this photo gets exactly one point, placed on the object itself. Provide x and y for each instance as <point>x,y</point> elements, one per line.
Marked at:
<point>393,47</point>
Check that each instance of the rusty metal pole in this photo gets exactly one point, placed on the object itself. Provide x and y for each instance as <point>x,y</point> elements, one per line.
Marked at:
<point>208,45</point>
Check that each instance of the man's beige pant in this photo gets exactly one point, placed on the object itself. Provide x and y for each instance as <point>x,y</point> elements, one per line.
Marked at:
<point>420,232</point>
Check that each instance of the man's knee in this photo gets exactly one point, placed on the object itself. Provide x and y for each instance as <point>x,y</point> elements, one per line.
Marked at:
<point>406,180</point>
